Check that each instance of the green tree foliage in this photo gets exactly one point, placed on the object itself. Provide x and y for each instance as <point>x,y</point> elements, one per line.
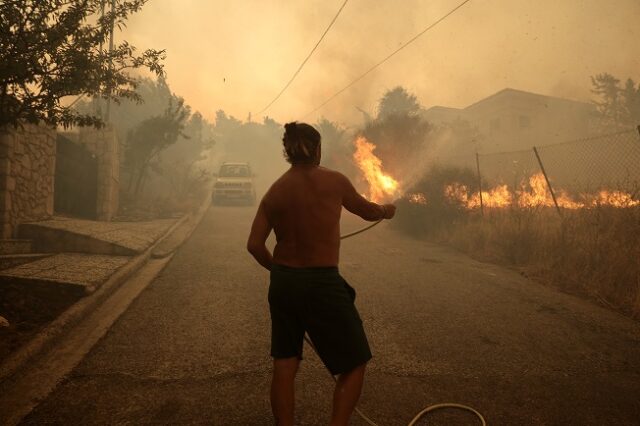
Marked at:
<point>337,147</point>
<point>399,132</point>
<point>398,138</point>
<point>183,164</point>
<point>128,113</point>
<point>397,101</point>
<point>618,106</point>
<point>148,139</point>
<point>178,171</point>
<point>52,49</point>
<point>227,125</point>
<point>631,96</point>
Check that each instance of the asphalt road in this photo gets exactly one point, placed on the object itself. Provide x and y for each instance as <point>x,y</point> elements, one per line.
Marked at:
<point>194,347</point>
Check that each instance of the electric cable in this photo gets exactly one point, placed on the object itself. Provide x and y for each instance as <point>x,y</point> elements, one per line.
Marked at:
<point>295,74</point>
<point>335,95</point>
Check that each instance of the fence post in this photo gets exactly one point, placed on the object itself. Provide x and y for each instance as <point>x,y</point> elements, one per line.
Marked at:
<point>480,183</point>
<point>546,178</point>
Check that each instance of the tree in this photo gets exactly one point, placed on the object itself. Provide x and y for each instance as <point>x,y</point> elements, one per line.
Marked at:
<point>618,107</point>
<point>53,49</point>
<point>397,101</point>
<point>190,149</point>
<point>401,135</point>
<point>400,140</point>
<point>128,113</point>
<point>149,138</point>
<point>631,100</point>
<point>337,149</point>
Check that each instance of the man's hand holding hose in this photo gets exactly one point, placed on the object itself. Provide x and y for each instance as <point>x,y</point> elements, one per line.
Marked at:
<point>388,211</point>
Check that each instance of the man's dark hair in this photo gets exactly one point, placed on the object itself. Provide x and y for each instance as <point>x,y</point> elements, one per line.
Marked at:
<point>300,143</point>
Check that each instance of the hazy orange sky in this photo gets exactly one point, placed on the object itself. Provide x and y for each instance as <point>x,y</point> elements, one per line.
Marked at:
<point>237,55</point>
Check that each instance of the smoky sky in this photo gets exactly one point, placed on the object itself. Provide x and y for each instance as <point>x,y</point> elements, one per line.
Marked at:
<point>237,55</point>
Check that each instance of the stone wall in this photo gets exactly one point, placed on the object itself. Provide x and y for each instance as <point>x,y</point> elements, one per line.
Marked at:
<point>27,169</point>
<point>103,143</point>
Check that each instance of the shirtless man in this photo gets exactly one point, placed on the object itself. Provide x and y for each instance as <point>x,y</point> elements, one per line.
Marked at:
<point>307,293</point>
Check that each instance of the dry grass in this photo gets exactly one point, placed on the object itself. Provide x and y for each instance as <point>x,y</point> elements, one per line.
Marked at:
<point>593,252</point>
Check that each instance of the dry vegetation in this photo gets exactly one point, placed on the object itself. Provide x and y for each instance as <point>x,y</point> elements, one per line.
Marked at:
<point>593,252</point>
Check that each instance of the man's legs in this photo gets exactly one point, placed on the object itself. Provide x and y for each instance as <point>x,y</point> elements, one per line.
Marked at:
<point>282,390</point>
<point>346,395</point>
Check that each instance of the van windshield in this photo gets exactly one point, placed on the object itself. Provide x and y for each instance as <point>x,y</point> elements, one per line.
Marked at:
<point>234,170</point>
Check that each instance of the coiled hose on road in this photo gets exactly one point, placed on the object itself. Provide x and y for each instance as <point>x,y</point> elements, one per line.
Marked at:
<point>427,409</point>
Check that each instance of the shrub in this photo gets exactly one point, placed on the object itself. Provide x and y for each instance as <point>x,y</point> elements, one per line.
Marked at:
<point>439,211</point>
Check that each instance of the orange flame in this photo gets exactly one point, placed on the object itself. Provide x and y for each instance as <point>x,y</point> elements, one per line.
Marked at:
<point>614,198</point>
<point>497,197</point>
<point>381,185</point>
<point>537,196</point>
<point>535,193</point>
<point>417,198</point>
<point>457,192</point>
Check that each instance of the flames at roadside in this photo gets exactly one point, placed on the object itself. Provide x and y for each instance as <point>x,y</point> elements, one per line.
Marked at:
<point>381,185</point>
<point>534,193</point>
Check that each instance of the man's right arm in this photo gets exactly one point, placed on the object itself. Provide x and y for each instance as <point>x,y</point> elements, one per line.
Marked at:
<point>358,205</point>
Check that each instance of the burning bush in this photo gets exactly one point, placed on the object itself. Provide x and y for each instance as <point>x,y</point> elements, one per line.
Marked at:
<point>426,207</point>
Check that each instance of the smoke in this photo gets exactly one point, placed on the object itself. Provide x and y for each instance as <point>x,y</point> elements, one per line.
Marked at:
<point>236,56</point>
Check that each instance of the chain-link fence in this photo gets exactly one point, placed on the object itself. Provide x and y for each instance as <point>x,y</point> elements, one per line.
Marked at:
<point>609,162</point>
<point>507,168</point>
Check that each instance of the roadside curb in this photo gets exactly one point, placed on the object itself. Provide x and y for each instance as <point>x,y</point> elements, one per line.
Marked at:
<point>182,232</point>
<point>46,338</point>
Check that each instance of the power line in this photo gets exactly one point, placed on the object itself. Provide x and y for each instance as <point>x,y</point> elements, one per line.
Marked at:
<point>335,95</point>
<point>306,59</point>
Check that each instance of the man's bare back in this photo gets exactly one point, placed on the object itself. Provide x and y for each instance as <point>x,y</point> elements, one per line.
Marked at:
<point>303,207</point>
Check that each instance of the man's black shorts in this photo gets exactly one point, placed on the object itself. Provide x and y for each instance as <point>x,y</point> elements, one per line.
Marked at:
<point>320,302</point>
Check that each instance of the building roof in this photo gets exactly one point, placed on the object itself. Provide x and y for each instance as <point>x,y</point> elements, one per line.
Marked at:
<point>508,92</point>
<point>439,108</point>
<point>505,93</point>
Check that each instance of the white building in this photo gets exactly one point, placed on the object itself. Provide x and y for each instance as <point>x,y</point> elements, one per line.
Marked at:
<point>513,119</point>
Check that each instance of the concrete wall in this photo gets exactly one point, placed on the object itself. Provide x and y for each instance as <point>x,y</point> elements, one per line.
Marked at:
<point>27,169</point>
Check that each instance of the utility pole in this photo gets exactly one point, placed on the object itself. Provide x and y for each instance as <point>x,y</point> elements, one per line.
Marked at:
<point>113,9</point>
<point>97,100</point>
